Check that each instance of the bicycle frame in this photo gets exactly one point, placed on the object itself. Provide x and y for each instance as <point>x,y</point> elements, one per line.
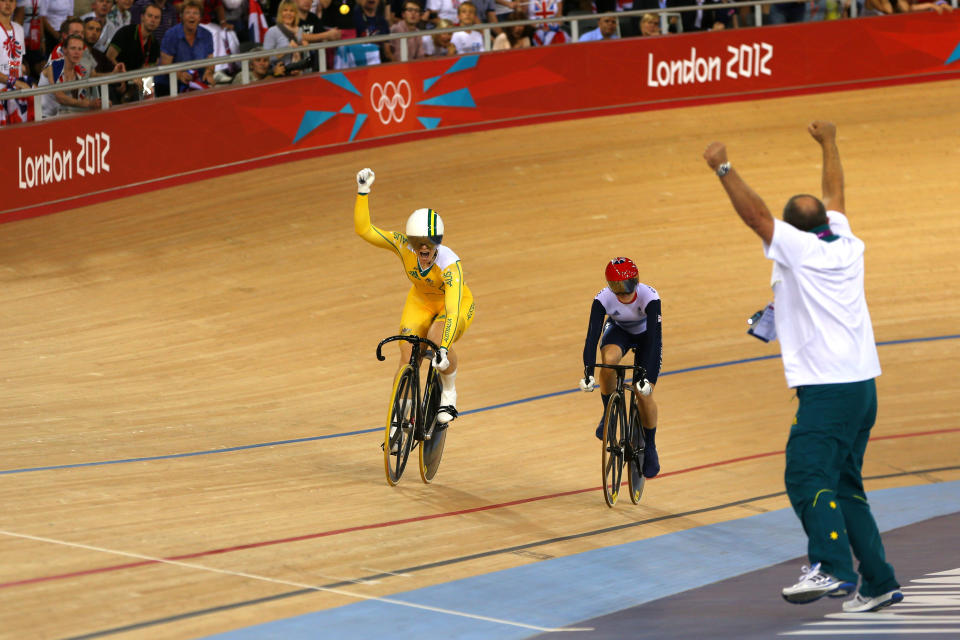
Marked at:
<point>630,447</point>
<point>416,359</point>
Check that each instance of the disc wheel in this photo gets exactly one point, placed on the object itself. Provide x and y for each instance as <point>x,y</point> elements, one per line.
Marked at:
<point>612,450</point>
<point>398,435</point>
<point>431,450</point>
<point>635,460</point>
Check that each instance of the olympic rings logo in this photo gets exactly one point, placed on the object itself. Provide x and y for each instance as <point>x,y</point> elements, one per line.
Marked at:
<point>390,100</point>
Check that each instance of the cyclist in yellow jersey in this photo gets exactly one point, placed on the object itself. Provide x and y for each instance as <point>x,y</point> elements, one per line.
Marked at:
<point>439,305</point>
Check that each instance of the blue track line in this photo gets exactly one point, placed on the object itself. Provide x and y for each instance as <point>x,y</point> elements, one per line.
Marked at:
<point>502,405</point>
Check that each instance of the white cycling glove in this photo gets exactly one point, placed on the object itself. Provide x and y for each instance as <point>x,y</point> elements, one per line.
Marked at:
<point>440,361</point>
<point>644,388</point>
<point>588,384</point>
<point>365,178</point>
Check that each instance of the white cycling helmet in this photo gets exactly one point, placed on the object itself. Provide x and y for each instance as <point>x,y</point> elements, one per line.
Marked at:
<point>424,225</point>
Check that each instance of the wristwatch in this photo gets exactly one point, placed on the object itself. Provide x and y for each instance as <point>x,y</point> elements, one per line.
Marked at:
<point>723,169</point>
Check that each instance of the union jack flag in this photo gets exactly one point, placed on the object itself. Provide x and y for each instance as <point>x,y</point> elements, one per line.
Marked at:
<point>16,111</point>
<point>549,34</point>
<point>257,22</point>
<point>196,82</point>
<point>544,9</point>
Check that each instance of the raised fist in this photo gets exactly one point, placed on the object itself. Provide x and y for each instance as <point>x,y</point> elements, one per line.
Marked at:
<point>822,131</point>
<point>365,178</point>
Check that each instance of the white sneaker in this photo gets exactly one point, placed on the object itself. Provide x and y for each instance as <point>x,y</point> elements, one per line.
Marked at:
<point>861,604</point>
<point>448,403</point>
<point>813,585</point>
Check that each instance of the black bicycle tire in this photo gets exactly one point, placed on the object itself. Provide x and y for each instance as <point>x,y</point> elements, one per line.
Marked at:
<point>635,476</point>
<point>611,450</point>
<point>431,451</point>
<point>394,463</point>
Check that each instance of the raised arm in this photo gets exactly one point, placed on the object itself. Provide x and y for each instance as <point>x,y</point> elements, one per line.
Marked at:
<point>832,180</point>
<point>361,216</point>
<point>748,205</point>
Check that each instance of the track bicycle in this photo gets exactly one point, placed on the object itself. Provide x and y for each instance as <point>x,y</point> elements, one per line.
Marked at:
<point>412,418</point>
<point>623,442</point>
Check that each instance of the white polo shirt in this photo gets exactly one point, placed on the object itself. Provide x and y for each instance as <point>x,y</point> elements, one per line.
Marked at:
<point>820,309</point>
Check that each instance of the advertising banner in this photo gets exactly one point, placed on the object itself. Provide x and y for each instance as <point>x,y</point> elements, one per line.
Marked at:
<point>62,163</point>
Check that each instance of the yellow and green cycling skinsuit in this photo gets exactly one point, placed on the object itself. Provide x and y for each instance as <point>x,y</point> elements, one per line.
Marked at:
<point>437,294</point>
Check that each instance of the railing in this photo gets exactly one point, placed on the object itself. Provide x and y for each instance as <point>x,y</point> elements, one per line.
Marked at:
<point>243,59</point>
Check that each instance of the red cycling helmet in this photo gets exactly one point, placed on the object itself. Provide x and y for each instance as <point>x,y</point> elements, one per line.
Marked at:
<point>622,276</point>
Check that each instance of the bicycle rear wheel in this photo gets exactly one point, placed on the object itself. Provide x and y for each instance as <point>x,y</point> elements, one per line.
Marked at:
<point>635,456</point>
<point>398,435</point>
<point>612,449</point>
<point>431,450</point>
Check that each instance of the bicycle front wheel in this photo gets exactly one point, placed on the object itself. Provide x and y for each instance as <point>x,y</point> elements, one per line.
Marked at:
<point>612,448</point>
<point>398,435</point>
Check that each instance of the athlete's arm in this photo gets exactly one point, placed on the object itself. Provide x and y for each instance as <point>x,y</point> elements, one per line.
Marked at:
<point>597,315</point>
<point>366,230</point>
<point>654,332</point>
<point>452,297</point>
<point>749,206</point>
<point>832,176</point>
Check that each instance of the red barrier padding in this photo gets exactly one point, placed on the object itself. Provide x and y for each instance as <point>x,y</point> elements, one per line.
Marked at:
<point>63,163</point>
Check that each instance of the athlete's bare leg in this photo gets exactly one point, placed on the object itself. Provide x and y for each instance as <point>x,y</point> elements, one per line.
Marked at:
<point>609,354</point>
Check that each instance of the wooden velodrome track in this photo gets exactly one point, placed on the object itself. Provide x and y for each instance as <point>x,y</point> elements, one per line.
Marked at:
<point>236,319</point>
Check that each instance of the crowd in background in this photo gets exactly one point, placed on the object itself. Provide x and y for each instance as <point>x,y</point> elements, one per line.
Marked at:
<point>47,42</point>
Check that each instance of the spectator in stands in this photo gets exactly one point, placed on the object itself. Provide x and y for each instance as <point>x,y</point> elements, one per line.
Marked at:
<point>183,42</point>
<point>506,9</point>
<point>261,69</point>
<point>29,15</point>
<point>649,25</point>
<point>410,23</point>
<point>543,9</point>
<point>54,13</point>
<point>66,69</point>
<point>673,23</point>
<point>313,30</point>
<point>93,61</point>
<point>439,44</point>
<point>119,16</point>
<point>606,30</point>
<point>12,49</point>
<point>468,40</point>
<point>788,12</point>
<point>486,11</point>
<point>237,13</point>
<point>516,37</point>
<point>100,10</point>
<point>71,26</point>
<point>547,33</point>
<point>286,33</point>
<point>910,6</point>
<point>136,47</point>
<point>331,17</point>
<point>724,17</point>
<point>168,16</point>
<point>442,10</point>
<point>214,13</point>
<point>708,19</point>
<point>368,20</point>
